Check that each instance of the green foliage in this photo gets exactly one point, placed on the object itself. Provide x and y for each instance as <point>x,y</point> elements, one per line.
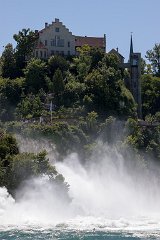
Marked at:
<point>154,57</point>
<point>35,75</point>
<point>108,94</point>
<point>127,106</point>
<point>110,60</point>
<point>110,130</point>
<point>66,137</point>
<point>8,145</point>
<point>10,92</point>
<point>144,138</point>
<point>26,40</point>
<point>96,84</point>
<point>88,102</point>
<point>143,66</point>
<point>83,62</point>
<point>29,107</point>
<point>85,89</point>
<point>150,94</point>
<point>27,165</point>
<point>58,83</point>
<point>16,168</point>
<point>96,57</point>
<point>8,62</point>
<point>74,91</point>
<point>57,62</point>
<point>92,121</point>
<point>12,89</point>
<point>58,87</point>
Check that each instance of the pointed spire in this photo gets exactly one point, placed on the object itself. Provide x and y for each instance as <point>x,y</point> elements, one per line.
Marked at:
<point>131,45</point>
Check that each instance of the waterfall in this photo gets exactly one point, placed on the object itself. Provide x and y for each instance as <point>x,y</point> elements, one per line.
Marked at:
<point>105,192</point>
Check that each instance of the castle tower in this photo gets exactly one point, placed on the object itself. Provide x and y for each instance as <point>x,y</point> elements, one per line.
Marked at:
<point>135,76</point>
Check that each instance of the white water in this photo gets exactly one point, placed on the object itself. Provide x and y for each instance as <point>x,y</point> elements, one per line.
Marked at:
<point>105,195</point>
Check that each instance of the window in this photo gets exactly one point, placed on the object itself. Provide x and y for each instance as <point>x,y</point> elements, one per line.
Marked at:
<point>57,52</point>
<point>37,54</point>
<point>68,44</point>
<point>57,29</point>
<point>62,53</point>
<point>68,53</point>
<point>52,52</point>
<point>135,62</point>
<point>52,42</point>
<point>45,42</point>
<point>59,42</point>
<point>41,54</point>
<point>45,54</point>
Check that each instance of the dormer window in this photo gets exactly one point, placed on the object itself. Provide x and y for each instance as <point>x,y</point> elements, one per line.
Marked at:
<point>57,29</point>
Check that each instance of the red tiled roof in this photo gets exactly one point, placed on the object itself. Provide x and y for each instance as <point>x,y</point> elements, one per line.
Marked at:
<point>91,41</point>
<point>40,45</point>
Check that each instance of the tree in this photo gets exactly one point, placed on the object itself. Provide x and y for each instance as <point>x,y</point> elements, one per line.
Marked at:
<point>35,75</point>
<point>106,89</point>
<point>96,56</point>
<point>16,168</point>
<point>26,40</point>
<point>110,60</point>
<point>8,62</point>
<point>143,66</point>
<point>92,121</point>
<point>30,106</point>
<point>154,57</point>
<point>82,62</point>
<point>55,62</point>
<point>74,91</point>
<point>8,147</point>
<point>58,83</point>
<point>150,94</point>
<point>144,139</point>
<point>10,94</point>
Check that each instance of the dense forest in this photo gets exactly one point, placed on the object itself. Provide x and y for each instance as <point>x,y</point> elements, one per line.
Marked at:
<point>73,101</point>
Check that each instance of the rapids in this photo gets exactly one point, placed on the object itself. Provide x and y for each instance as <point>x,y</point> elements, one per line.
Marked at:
<point>107,195</point>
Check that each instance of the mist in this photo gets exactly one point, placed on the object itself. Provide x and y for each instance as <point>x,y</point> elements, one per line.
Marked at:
<point>107,191</point>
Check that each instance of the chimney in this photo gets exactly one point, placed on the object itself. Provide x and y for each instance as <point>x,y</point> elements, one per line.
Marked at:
<point>46,25</point>
<point>56,20</point>
<point>117,49</point>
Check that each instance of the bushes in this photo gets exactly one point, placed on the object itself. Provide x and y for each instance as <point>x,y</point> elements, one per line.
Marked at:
<point>16,168</point>
<point>144,138</point>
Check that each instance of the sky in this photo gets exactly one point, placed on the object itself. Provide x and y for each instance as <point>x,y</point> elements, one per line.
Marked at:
<point>115,18</point>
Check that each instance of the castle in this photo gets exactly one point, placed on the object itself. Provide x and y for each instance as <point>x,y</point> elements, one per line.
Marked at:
<point>56,39</point>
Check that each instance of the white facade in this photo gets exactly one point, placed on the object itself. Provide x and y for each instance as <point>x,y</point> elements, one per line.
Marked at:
<point>55,39</point>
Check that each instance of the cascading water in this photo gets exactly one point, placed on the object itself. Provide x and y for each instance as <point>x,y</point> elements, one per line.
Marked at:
<point>107,195</point>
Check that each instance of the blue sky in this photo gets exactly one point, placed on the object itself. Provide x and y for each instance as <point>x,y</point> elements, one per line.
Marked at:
<point>116,18</point>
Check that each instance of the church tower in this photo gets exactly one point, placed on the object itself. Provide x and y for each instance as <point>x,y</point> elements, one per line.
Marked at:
<point>135,77</point>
